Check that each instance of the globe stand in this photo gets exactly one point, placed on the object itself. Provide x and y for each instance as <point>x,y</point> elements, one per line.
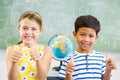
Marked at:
<point>57,68</point>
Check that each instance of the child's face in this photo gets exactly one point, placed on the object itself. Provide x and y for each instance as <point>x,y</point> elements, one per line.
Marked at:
<point>29,31</point>
<point>85,38</point>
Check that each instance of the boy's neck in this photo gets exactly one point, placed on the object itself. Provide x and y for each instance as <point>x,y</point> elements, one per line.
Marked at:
<point>85,51</point>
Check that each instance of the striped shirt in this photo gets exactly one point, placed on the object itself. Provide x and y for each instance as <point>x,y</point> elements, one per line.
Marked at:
<point>87,66</point>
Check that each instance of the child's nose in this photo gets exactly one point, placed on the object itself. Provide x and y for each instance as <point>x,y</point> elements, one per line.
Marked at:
<point>86,38</point>
<point>29,31</point>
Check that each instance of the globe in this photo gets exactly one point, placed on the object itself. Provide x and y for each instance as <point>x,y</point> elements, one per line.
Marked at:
<point>61,47</point>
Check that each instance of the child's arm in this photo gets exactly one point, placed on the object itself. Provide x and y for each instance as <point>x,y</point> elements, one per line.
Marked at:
<point>110,65</point>
<point>12,59</point>
<point>43,64</point>
<point>69,69</point>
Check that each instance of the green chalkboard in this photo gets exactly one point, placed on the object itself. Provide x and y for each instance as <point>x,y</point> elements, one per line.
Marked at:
<point>58,18</point>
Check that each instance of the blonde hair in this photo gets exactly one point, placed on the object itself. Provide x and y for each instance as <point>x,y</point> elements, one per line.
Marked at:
<point>32,16</point>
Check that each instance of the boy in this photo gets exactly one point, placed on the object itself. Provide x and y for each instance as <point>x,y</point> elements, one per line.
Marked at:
<point>85,63</point>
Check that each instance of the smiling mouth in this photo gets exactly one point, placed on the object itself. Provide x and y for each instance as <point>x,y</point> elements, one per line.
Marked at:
<point>85,45</point>
<point>28,38</point>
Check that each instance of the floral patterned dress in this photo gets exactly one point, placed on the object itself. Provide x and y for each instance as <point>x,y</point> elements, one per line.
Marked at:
<point>26,65</point>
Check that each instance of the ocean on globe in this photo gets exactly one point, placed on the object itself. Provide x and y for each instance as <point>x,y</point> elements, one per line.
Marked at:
<point>61,47</point>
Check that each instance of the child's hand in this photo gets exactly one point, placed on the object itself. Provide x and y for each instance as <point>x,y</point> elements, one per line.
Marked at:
<point>110,64</point>
<point>48,51</point>
<point>34,53</point>
<point>16,55</point>
<point>70,66</point>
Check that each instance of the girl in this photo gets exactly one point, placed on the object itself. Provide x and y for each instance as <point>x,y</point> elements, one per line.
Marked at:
<point>27,60</point>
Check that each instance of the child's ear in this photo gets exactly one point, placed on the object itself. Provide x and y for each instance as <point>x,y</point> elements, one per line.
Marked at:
<point>97,37</point>
<point>74,33</point>
<point>18,27</point>
<point>41,29</point>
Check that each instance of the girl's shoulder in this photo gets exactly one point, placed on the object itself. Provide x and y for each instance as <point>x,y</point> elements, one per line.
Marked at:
<point>10,50</point>
<point>43,47</point>
<point>11,47</point>
<point>40,46</point>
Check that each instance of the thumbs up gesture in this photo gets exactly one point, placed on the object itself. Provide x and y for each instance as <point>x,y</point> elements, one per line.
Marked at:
<point>70,66</point>
<point>110,63</point>
<point>16,55</point>
<point>34,53</point>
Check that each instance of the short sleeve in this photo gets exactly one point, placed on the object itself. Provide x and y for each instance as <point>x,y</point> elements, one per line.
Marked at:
<point>62,72</point>
<point>103,64</point>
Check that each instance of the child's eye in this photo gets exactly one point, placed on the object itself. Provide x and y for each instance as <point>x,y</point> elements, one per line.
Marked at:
<point>82,34</point>
<point>91,36</point>
<point>33,28</point>
<point>25,28</point>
